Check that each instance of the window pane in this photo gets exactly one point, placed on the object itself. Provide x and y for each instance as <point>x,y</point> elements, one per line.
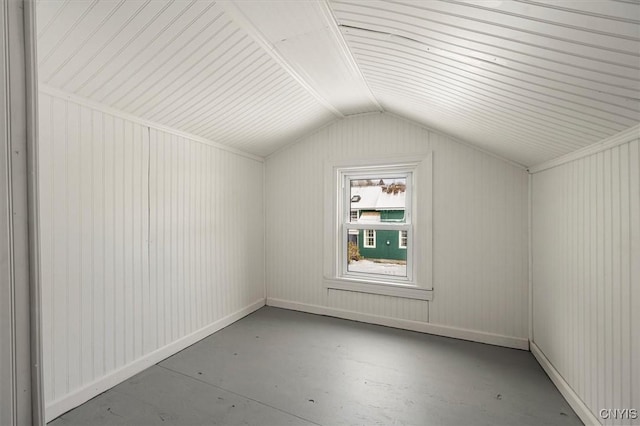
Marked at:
<point>376,252</point>
<point>402,243</point>
<point>378,200</point>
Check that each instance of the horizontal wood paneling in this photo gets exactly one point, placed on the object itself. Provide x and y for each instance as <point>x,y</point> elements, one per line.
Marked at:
<point>147,237</point>
<point>586,275</point>
<point>479,227</point>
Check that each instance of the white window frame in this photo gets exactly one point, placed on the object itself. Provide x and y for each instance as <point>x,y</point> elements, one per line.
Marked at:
<point>373,173</point>
<point>365,238</point>
<point>357,214</point>
<point>418,282</point>
<point>400,238</point>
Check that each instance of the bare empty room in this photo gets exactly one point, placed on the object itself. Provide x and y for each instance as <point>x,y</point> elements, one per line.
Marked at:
<point>322,212</point>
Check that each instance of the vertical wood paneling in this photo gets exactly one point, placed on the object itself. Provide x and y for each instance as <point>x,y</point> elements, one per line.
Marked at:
<point>479,227</point>
<point>585,275</point>
<point>147,237</point>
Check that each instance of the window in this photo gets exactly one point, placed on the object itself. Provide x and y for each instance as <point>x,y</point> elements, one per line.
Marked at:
<point>369,238</point>
<point>373,240</point>
<point>383,196</point>
<point>402,239</point>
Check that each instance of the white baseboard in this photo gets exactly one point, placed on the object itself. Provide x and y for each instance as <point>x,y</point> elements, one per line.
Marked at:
<point>85,393</point>
<point>440,330</point>
<point>587,417</point>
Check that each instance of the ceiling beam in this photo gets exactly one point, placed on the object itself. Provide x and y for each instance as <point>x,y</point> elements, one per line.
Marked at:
<point>332,25</point>
<point>243,22</point>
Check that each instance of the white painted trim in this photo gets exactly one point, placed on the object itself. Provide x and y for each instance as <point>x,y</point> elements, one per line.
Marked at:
<point>632,133</point>
<point>334,256</point>
<point>52,91</point>
<point>264,231</point>
<point>569,394</point>
<point>382,288</point>
<point>243,22</point>
<point>16,219</point>
<point>332,25</point>
<point>530,253</point>
<point>33,188</point>
<point>422,327</point>
<point>82,395</point>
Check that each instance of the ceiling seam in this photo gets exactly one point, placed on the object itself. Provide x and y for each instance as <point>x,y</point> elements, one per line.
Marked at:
<point>451,46</point>
<point>334,27</point>
<point>484,33</point>
<point>243,22</point>
<point>461,58</point>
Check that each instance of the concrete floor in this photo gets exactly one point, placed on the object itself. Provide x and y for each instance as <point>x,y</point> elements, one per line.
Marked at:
<point>279,367</point>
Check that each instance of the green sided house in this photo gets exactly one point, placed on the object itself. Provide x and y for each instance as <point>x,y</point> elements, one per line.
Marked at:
<point>379,203</point>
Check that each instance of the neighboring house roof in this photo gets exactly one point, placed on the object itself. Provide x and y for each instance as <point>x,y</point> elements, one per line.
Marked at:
<point>374,198</point>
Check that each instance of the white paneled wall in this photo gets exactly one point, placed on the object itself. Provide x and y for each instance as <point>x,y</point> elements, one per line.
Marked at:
<point>150,240</point>
<point>586,275</point>
<point>479,232</point>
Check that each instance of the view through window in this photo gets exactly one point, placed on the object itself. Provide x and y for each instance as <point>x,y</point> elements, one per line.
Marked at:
<point>377,228</point>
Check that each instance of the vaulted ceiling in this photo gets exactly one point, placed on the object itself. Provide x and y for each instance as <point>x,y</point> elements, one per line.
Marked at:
<point>527,80</point>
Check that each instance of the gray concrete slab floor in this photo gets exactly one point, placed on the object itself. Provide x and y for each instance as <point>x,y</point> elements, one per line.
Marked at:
<point>280,367</point>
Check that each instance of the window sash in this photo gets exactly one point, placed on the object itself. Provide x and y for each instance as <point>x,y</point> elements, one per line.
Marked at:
<point>376,174</point>
<point>383,226</point>
<point>346,224</point>
<point>397,280</point>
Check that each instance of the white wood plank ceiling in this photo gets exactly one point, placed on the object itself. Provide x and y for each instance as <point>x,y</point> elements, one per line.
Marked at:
<point>527,80</point>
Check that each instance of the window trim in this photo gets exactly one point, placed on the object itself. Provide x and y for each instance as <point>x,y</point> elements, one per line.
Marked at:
<point>365,238</point>
<point>401,237</point>
<point>346,177</point>
<point>419,284</point>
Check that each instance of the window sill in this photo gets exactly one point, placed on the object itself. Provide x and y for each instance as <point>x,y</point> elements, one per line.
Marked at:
<point>382,288</point>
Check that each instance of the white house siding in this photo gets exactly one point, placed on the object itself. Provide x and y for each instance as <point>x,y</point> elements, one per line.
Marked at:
<point>586,275</point>
<point>479,230</point>
<point>150,241</point>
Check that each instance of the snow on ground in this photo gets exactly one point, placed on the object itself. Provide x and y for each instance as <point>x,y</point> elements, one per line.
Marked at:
<point>377,268</point>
